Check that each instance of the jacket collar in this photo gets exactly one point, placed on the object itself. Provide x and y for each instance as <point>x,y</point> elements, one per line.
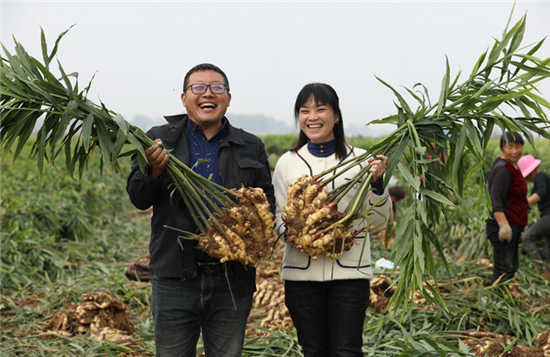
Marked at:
<point>178,123</point>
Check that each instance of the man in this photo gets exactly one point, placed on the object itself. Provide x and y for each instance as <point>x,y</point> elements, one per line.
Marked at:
<point>190,290</point>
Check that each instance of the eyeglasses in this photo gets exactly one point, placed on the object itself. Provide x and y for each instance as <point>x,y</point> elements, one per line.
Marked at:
<point>216,88</point>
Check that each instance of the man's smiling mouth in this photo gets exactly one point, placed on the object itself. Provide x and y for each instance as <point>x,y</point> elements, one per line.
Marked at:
<point>207,106</point>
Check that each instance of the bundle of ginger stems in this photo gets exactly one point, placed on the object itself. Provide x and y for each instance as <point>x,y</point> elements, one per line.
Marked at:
<point>29,91</point>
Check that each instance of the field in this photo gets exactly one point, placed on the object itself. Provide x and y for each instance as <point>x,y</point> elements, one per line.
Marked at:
<point>63,239</point>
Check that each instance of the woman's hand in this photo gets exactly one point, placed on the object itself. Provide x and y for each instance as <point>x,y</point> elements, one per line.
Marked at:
<point>298,246</point>
<point>378,167</point>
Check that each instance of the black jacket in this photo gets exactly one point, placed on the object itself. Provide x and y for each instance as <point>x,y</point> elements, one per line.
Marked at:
<point>242,160</point>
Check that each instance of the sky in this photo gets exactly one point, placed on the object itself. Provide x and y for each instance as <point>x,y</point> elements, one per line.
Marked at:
<point>140,51</point>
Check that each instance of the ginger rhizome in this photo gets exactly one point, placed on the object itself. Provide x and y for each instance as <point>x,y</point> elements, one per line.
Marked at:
<point>247,228</point>
<point>312,220</point>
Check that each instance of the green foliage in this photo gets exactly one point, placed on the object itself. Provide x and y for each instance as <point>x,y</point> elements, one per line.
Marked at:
<point>40,219</point>
<point>76,127</point>
<point>279,144</point>
<point>46,257</point>
<point>459,126</point>
<point>463,233</point>
<point>96,262</point>
<point>363,142</point>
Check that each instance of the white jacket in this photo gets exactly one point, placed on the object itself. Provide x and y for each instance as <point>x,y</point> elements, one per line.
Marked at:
<point>298,266</point>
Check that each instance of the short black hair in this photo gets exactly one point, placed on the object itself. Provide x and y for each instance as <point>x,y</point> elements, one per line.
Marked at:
<point>513,137</point>
<point>205,67</point>
<point>326,95</point>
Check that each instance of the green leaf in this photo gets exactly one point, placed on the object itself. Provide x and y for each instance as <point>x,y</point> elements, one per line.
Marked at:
<point>413,181</point>
<point>54,51</point>
<point>87,130</point>
<point>538,99</point>
<point>444,88</point>
<point>122,124</point>
<point>458,151</point>
<point>107,149</point>
<point>67,81</point>
<point>44,46</point>
<point>436,196</point>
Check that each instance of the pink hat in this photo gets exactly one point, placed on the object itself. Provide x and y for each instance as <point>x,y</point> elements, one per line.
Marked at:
<point>527,164</point>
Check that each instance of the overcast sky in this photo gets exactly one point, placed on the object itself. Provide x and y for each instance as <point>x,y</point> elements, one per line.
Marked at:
<point>269,50</point>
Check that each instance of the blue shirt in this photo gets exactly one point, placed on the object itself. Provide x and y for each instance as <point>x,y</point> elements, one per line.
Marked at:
<point>204,160</point>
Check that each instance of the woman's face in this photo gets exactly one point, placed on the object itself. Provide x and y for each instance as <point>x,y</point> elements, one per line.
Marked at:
<point>512,152</point>
<point>317,121</point>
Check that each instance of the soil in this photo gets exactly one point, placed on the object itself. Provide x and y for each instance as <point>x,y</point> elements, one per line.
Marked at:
<point>102,317</point>
<point>493,345</point>
<point>380,293</point>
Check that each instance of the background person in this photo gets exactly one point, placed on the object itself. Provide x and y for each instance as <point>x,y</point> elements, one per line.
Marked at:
<point>328,312</point>
<point>540,194</point>
<point>190,291</point>
<point>508,217</point>
<point>397,193</point>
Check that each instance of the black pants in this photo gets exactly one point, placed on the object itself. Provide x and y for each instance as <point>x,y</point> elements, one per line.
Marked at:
<point>329,315</point>
<point>505,254</point>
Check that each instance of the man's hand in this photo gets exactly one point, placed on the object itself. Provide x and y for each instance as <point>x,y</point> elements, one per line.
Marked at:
<point>505,231</point>
<point>157,157</point>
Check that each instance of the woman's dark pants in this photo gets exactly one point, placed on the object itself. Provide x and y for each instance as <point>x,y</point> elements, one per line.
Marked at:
<point>329,316</point>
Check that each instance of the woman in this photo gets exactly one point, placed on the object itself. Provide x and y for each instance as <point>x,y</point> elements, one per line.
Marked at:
<point>540,195</point>
<point>508,217</point>
<point>327,299</point>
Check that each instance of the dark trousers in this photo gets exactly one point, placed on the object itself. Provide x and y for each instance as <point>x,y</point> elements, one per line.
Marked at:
<point>183,309</point>
<point>538,231</point>
<point>505,254</point>
<point>329,316</point>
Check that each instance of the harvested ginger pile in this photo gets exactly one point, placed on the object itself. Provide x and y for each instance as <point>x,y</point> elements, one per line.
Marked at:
<point>101,314</point>
<point>309,214</point>
<point>248,227</point>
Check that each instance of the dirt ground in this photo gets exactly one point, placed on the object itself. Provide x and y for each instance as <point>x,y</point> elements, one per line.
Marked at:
<point>102,317</point>
<point>490,344</point>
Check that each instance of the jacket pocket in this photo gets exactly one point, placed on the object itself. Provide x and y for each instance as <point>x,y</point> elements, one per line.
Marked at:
<point>248,169</point>
<point>350,259</point>
<point>294,259</point>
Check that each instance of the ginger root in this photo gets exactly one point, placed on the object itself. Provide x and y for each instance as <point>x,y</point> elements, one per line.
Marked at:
<point>308,214</point>
<point>247,229</point>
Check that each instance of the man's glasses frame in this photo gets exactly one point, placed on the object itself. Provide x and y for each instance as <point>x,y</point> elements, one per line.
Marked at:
<point>199,88</point>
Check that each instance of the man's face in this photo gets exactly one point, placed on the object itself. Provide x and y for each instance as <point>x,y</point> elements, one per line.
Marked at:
<point>207,109</point>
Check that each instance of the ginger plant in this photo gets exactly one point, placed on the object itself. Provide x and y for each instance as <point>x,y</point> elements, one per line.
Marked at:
<point>76,125</point>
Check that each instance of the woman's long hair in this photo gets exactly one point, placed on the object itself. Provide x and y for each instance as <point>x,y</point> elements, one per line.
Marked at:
<point>323,94</point>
